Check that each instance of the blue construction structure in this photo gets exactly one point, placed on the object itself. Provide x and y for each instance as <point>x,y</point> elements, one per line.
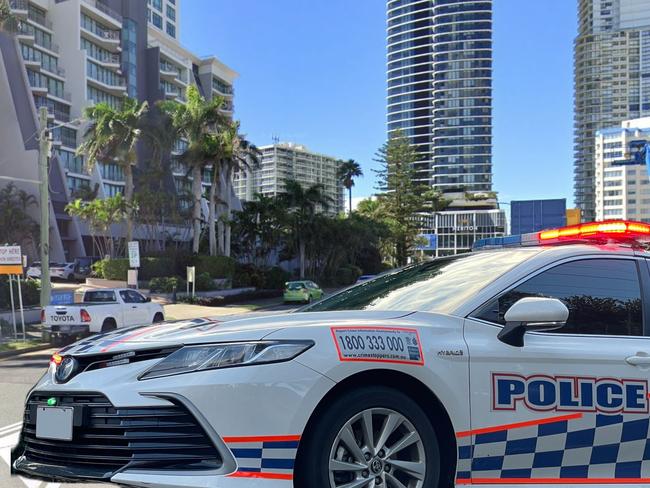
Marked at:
<point>528,216</point>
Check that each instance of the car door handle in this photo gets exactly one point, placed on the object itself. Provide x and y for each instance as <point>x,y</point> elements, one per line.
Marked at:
<point>638,360</point>
<point>134,306</point>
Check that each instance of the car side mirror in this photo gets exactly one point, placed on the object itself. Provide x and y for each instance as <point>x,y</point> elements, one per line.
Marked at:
<point>532,314</point>
<point>147,299</point>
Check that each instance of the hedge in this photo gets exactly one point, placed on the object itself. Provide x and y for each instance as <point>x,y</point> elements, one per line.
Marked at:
<point>348,275</point>
<point>215,266</point>
<point>117,269</point>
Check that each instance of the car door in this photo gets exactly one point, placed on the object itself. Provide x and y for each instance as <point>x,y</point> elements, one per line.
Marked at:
<point>570,406</point>
<point>134,311</point>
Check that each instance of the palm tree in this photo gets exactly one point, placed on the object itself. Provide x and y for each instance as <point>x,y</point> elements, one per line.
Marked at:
<point>112,137</point>
<point>239,154</point>
<point>194,120</point>
<point>347,172</point>
<point>302,204</point>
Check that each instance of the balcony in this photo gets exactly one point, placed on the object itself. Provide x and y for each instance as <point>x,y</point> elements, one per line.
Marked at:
<point>40,20</point>
<point>25,33</point>
<point>106,38</point>
<point>19,7</point>
<point>105,9</point>
<point>111,59</point>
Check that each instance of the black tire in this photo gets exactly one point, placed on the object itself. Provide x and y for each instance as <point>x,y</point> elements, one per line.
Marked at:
<point>312,470</point>
<point>159,317</point>
<point>109,325</point>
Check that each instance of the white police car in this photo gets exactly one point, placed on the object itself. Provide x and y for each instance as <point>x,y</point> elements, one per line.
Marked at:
<point>512,366</point>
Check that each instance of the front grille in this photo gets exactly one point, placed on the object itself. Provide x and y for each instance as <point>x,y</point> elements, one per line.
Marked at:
<point>107,439</point>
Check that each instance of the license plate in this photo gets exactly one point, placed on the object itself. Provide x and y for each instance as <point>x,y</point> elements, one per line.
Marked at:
<point>54,423</point>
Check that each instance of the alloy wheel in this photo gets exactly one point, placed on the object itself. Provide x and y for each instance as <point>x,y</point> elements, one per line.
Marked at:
<point>377,448</point>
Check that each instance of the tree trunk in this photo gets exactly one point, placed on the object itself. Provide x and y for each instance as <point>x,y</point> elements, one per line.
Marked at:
<point>196,209</point>
<point>212,231</point>
<point>128,196</point>
<point>350,200</point>
<point>301,251</point>
<point>228,200</point>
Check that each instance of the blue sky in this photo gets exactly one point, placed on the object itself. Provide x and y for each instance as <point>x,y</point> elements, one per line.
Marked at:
<point>313,72</point>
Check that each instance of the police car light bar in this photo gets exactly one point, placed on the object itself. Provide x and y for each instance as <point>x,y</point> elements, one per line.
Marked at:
<point>610,230</point>
<point>618,230</point>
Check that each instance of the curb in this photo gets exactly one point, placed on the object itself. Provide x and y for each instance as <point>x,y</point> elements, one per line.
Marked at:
<point>27,350</point>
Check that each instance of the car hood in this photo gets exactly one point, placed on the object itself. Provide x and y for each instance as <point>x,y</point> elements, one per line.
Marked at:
<point>248,327</point>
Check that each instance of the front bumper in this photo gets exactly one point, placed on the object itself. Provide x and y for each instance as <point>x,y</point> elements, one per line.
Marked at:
<point>253,417</point>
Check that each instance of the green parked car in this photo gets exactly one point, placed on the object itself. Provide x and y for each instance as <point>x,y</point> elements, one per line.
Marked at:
<point>302,291</point>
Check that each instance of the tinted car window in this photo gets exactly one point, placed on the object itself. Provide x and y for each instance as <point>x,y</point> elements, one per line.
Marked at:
<point>603,296</point>
<point>295,286</point>
<point>99,296</point>
<point>435,286</point>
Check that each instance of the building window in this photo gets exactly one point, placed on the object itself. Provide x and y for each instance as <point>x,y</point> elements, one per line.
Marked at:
<point>171,13</point>
<point>156,19</point>
<point>157,4</point>
<point>171,29</point>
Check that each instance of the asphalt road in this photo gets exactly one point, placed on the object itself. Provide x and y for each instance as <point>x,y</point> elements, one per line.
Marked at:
<point>17,376</point>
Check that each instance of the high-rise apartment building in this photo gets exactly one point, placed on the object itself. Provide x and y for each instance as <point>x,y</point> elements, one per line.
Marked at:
<point>68,55</point>
<point>163,15</point>
<point>288,161</point>
<point>612,80</point>
<point>622,187</point>
<point>439,70</point>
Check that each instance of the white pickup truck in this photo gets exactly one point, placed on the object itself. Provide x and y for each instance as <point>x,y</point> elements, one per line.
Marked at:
<point>100,311</point>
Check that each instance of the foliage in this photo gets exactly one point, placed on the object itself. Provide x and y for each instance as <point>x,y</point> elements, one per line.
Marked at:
<point>215,266</point>
<point>166,284</point>
<point>31,290</point>
<point>248,275</point>
<point>117,269</point>
<point>275,278</point>
<point>401,197</point>
<point>8,21</point>
<point>348,275</point>
<point>434,201</point>
<point>112,138</point>
<point>222,300</point>
<point>204,282</point>
<point>16,226</point>
<point>346,173</point>
<point>100,215</point>
<point>196,120</point>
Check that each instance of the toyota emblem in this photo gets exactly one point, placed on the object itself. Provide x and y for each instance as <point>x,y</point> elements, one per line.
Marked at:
<point>65,370</point>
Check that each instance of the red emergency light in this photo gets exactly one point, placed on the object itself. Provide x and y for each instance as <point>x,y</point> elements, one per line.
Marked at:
<point>610,230</point>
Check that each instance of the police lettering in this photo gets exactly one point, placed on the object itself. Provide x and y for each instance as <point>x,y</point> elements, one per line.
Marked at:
<point>569,394</point>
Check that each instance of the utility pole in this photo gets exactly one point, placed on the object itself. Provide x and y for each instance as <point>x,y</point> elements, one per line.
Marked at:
<point>44,145</point>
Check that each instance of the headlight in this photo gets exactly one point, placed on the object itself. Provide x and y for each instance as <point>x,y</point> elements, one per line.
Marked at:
<point>226,355</point>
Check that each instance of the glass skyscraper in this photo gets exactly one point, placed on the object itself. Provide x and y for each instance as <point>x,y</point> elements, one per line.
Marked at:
<point>439,70</point>
<point>612,81</point>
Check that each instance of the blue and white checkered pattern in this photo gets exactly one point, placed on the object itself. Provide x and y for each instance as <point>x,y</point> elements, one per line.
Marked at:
<point>593,446</point>
<point>276,457</point>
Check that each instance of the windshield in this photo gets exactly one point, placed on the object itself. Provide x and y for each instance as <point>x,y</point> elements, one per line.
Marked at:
<point>440,285</point>
<point>295,286</point>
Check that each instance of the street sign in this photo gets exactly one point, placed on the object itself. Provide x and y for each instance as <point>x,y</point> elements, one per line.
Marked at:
<point>134,254</point>
<point>11,260</point>
<point>132,278</point>
<point>191,274</point>
<point>431,242</point>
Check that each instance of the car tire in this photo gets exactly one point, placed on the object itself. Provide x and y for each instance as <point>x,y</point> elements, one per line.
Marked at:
<point>326,441</point>
<point>108,325</point>
<point>159,317</point>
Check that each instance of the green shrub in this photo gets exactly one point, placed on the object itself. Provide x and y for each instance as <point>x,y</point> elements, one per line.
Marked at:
<point>204,282</point>
<point>215,266</point>
<point>248,275</point>
<point>155,268</point>
<point>348,275</point>
<point>31,291</point>
<point>275,278</point>
<point>117,269</point>
<point>166,284</point>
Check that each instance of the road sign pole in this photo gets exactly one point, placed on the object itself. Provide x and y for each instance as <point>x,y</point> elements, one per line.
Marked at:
<point>13,306</point>
<point>43,155</point>
<point>22,310</point>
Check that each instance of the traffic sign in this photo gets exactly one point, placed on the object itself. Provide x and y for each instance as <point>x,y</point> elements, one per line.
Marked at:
<point>11,260</point>
<point>134,254</point>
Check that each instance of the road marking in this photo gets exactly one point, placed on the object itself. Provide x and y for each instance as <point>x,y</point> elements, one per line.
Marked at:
<point>9,436</point>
